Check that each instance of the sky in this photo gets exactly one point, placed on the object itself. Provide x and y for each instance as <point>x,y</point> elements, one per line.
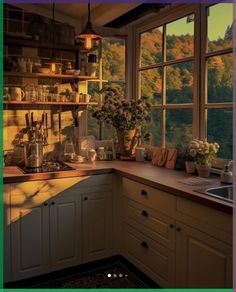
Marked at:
<point>220,16</point>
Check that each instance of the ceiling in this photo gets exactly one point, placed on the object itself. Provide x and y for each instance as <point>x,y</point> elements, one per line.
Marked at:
<point>101,14</point>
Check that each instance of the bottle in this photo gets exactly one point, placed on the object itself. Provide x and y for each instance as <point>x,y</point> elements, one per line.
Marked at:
<point>101,153</point>
<point>226,176</point>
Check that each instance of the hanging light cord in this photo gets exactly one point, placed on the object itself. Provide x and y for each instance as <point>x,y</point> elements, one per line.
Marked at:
<point>89,11</point>
<point>53,30</point>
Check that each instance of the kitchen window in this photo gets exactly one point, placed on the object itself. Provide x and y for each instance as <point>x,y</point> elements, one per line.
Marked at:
<point>112,71</point>
<point>185,70</point>
<point>166,74</point>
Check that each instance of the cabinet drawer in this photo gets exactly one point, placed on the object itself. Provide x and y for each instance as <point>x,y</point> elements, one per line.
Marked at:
<point>153,259</point>
<point>157,225</point>
<point>149,196</point>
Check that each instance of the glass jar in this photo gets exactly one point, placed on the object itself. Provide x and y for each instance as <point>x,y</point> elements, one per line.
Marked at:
<point>101,153</point>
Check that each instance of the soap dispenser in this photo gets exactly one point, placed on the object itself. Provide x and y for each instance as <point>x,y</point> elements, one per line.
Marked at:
<point>226,176</point>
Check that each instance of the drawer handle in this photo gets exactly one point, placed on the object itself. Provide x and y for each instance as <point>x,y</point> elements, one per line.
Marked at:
<point>45,203</point>
<point>144,213</point>
<point>178,229</point>
<point>144,193</point>
<point>85,198</point>
<point>53,203</point>
<point>171,226</point>
<point>144,244</point>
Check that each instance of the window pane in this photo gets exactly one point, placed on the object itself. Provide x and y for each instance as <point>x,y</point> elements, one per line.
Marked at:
<point>220,27</point>
<point>179,83</point>
<point>220,78</point>
<point>219,129</point>
<point>151,47</point>
<point>179,127</point>
<point>93,126</point>
<point>154,128</point>
<point>180,38</point>
<point>113,59</point>
<point>151,85</point>
<point>93,88</point>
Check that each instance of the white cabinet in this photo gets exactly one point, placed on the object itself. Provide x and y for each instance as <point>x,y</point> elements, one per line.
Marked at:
<point>29,237</point>
<point>97,225</point>
<point>201,260</point>
<point>47,228</point>
<point>65,231</point>
<point>195,239</point>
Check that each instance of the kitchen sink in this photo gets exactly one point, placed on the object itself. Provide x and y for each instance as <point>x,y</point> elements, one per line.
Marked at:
<point>221,192</point>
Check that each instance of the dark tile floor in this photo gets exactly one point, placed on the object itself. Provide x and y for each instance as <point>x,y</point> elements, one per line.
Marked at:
<point>115,272</point>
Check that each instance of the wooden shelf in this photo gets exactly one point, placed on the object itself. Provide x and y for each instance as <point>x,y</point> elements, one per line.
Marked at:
<point>41,75</point>
<point>50,103</point>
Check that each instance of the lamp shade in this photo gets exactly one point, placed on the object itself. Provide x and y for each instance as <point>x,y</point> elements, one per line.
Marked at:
<point>88,34</point>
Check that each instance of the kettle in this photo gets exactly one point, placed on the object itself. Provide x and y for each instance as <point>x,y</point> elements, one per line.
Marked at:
<point>226,176</point>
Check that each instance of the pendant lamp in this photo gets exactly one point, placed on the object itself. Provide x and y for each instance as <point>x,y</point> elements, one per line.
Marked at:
<point>53,62</point>
<point>88,34</point>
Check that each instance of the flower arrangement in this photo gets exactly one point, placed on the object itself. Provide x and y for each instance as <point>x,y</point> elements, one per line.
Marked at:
<point>125,116</point>
<point>202,152</point>
<point>121,113</point>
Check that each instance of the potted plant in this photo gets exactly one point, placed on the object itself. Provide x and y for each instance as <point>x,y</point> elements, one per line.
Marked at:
<point>190,165</point>
<point>204,154</point>
<point>126,116</point>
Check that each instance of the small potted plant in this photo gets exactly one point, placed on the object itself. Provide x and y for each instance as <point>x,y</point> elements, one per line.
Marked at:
<point>190,165</point>
<point>204,154</point>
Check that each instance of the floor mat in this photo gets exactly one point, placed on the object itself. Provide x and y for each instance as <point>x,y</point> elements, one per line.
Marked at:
<point>112,276</point>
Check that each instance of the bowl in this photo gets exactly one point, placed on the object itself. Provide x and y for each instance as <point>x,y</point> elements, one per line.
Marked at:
<point>70,71</point>
<point>44,70</point>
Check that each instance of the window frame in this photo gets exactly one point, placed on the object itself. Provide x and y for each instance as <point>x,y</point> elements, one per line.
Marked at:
<point>163,20</point>
<point>199,104</point>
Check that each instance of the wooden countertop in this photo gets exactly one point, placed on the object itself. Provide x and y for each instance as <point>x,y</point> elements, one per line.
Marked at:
<point>158,177</point>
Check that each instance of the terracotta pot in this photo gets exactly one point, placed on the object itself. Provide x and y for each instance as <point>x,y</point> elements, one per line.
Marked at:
<point>203,170</point>
<point>128,142</point>
<point>190,166</point>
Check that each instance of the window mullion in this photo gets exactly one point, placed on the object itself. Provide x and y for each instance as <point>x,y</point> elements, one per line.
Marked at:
<point>163,112</point>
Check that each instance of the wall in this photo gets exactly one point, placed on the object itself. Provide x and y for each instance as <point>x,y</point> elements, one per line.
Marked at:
<point>14,115</point>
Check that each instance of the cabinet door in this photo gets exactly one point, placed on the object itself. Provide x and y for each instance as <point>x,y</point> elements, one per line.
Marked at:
<point>201,260</point>
<point>65,231</point>
<point>97,225</point>
<point>29,237</point>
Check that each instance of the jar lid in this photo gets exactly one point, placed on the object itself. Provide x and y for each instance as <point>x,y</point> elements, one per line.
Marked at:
<point>101,148</point>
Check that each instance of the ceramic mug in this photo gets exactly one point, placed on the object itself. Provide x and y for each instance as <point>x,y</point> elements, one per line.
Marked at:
<point>92,155</point>
<point>17,93</point>
<point>139,154</point>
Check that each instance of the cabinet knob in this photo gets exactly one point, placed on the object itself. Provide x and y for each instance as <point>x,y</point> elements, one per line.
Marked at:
<point>53,203</point>
<point>85,198</point>
<point>45,203</point>
<point>178,229</point>
<point>144,213</point>
<point>144,193</point>
<point>171,225</point>
<point>144,244</point>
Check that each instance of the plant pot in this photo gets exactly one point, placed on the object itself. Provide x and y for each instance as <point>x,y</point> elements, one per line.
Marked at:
<point>203,170</point>
<point>128,142</point>
<point>190,166</point>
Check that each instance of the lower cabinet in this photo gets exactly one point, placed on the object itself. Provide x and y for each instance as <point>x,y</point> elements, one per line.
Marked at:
<point>48,231</point>
<point>65,231</point>
<point>29,238</point>
<point>97,225</point>
<point>149,256</point>
<point>201,260</point>
<point>188,246</point>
